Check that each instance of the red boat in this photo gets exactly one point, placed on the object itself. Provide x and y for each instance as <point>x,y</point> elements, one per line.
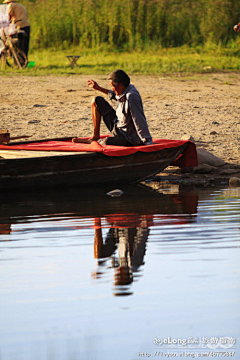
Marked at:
<point>61,163</point>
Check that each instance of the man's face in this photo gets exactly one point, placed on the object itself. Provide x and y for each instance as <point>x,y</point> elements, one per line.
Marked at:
<point>117,88</point>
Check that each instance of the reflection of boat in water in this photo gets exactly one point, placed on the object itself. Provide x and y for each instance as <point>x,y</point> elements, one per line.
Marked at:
<point>128,220</point>
<point>5,229</point>
<point>89,202</point>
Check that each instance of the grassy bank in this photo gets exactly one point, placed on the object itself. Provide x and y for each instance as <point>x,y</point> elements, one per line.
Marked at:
<point>210,58</point>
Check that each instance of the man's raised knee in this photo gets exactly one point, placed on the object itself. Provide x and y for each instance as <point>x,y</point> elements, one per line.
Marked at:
<point>98,100</point>
<point>93,103</point>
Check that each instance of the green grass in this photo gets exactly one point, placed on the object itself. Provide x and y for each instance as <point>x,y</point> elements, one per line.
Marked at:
<point>150,62</point>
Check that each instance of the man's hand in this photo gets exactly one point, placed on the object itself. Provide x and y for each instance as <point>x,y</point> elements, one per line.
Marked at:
<point>93,84</point>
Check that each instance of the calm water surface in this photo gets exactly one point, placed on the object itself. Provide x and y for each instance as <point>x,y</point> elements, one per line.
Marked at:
<point>153,273</point>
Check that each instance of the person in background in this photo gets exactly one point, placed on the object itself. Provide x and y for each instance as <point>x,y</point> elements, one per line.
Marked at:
<point>236,27</point>
<point>127,124</point>
<point>18,15</point>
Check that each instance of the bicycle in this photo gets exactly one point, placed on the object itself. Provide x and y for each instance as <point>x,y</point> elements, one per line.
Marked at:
<point>10,52</point>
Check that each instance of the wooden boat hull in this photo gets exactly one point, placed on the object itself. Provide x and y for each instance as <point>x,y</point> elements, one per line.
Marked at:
<point>83,169</point>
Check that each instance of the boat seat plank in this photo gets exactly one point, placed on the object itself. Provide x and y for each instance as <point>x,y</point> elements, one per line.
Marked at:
<point>18,154</point>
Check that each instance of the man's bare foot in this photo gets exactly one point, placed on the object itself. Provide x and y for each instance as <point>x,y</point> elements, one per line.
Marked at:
<point>80,140</point>
<point>95,138</point>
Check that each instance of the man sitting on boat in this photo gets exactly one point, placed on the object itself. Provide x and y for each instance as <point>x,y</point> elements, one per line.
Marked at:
<point>127,124</point>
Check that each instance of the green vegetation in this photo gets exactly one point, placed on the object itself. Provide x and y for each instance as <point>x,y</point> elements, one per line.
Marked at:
<point>140,36</point>
<point>131,24</point>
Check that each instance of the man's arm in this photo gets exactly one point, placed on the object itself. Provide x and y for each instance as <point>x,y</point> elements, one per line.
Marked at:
<point>139,120</point>
<point>94,85</point>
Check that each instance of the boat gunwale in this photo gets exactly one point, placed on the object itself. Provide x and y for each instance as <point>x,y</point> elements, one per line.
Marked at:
<point>61,153</point>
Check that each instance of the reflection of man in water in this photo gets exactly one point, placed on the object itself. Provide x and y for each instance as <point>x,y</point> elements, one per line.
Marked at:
<point>131,246</point>
<point>131,250</point>
<point>129,234</point>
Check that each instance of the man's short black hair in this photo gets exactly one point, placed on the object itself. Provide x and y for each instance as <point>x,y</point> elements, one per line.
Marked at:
<point>119,77</point>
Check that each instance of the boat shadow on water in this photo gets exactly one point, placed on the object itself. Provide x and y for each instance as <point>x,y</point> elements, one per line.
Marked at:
<point>128,220</point>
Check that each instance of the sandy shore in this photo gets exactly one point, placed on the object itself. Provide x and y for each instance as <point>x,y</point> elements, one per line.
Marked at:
<point>206,107</point>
